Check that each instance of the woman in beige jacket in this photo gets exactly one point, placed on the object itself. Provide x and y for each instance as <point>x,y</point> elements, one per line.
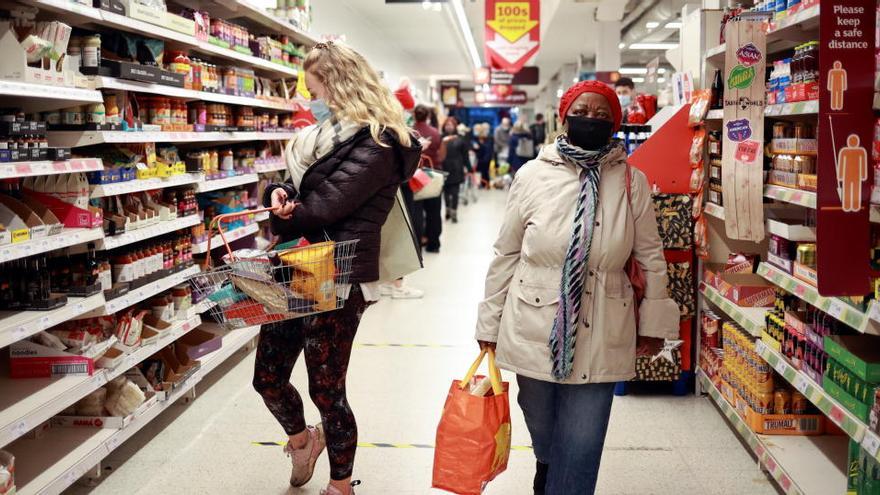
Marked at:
<point>559,306</point>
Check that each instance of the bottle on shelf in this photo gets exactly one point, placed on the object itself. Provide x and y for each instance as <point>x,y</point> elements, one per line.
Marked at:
<point>717,91</point>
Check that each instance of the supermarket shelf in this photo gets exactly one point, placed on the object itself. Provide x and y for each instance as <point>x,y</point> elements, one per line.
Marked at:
<point>204,306</point>
<point>276,166</point>
<point>781,110</point>
<point>132,186</point>
<point>752,319</point>
<point>101,82</point>
<point>67,238</point>
<point>789,195</point>
<point>177,330</point>
<point>801,465</point>
<point>714,210</point>
<point>810,107</point>
<point>64,455</point>
<point>30,169</point>
<point>43,97</point>
<point>82,15</point>
<point>261,217</point>
<point>245,12</point>
<point>143,293</point>
<point>18,325</point>
<point>74,139</point>
<point>839,415</point>
<point>831,305</point>
<point>794,233</point>
<point>232,235</point>
<point>155,230</point>
<point>238,180</point>
<point>787,33</point>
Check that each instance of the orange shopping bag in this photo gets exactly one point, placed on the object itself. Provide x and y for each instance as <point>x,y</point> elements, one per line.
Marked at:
<point>473,437</point>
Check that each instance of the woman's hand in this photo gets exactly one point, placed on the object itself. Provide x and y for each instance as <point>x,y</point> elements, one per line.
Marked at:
<point>280,201</point>
<point>484,344</point>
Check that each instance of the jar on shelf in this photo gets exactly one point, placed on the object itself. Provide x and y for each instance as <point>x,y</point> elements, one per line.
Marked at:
<point>227,160</point>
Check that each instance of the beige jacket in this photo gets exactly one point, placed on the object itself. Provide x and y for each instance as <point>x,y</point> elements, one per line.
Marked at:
<point>522,287</point>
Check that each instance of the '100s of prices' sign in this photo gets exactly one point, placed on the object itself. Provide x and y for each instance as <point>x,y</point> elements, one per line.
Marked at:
<point>512,32</point>
<point>846,95</point>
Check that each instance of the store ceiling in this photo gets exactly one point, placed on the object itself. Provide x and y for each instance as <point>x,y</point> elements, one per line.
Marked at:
<point>406,39</point>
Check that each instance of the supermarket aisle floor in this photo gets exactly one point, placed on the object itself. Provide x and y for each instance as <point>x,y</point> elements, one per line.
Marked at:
<point>656,444</point>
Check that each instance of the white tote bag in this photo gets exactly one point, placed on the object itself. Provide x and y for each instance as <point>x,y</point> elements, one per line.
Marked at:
<point>434,188</point>
<point>399,254</point>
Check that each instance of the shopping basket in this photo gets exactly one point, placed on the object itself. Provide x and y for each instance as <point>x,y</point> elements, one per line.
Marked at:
<point>276,285</point>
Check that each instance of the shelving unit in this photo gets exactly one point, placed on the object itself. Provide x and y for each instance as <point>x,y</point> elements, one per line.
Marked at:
<point>132,186</point>
<point>150,232</point>
<point>18,325</point>
<point>76,450</point>
<point>188,94</point>
<point>31,169</point>
<point>232,235</point>
<point>782,110</point>
<point>798,197</point>
<point>835,307</point>
<point>752,319</point>
<point>76,139</point>
<point>238,180</point>
<point>800,465</point>
<point>55,461</point>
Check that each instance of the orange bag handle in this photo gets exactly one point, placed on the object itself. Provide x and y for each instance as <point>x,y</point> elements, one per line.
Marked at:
<point>215,223</point>
<point>494,372</point>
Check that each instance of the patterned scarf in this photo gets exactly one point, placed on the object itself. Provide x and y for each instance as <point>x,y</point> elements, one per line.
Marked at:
<point>313,142</point>
<point>571,288</point>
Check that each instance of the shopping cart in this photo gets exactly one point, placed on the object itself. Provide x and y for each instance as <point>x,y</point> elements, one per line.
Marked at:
<point>280,284</point>
<point>469,188</point>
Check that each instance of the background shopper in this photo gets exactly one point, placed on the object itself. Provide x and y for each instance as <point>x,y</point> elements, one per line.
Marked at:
<point>559,305</point>
<point>502,141</point>
<point>345,173</point>
<point>521,146</point>
<point>626,93</point>
<point>456,164</point>
<point>436,152</point>
<point>484,147</point>
<point>539,130</point>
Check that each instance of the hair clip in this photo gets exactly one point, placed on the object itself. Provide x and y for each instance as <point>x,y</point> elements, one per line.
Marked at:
<point>324,45</point>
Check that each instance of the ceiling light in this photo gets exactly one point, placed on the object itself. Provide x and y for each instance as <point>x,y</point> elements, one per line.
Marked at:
<point>465,28</point>
<point>661,80</point>
<point>438,7</point>
<point>652,46</point>
<point>559,93</point>
<point>661,70</point>
<point>673,25</point>
<point>652,24</point>
<point>575,80</point>
<point>633,70</point>
<point>426,4</point>
<point>638,79</point>
<point>621,45</point>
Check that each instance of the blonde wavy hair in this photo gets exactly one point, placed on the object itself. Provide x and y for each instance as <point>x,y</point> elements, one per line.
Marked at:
<point>355,92</point>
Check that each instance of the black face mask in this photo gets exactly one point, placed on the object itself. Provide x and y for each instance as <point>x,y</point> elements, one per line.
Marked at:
<point>588,134</point>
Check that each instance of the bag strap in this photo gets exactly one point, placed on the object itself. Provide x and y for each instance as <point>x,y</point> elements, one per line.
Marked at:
<point>494,373</point>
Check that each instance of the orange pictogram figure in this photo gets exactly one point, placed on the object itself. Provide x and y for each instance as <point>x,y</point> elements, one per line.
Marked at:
<point>837,85</point>
<point>852,170</point>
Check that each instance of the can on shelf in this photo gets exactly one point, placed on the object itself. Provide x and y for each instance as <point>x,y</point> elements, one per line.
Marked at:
<point>798,403</point>
<point>782,401</point>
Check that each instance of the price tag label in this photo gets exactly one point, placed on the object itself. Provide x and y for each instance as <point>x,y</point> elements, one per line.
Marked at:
<point>44,322</point>
<point>836,414</point>
<point>23,168</point>
<point>782,367</point>
<point>800,290</point>
<point>20,428</point>
<point>760,346</point>
<point>871,443</point>
<point>835,308</point>
<point>80,307</point>
<point>800,383</point>
<point>113,442</point>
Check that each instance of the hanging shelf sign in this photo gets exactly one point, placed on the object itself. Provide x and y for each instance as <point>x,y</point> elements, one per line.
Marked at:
<point>745,96</point>
<point>512,33</point>
<point>846,95</point>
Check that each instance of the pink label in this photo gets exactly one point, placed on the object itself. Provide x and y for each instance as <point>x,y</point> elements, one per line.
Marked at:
<point>747,151</point>
<point>748,54</point>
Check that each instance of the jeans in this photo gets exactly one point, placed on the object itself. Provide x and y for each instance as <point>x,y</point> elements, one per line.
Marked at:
<point>568,425</point>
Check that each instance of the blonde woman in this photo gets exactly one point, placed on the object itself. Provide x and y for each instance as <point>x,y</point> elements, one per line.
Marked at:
<point>345,172</point>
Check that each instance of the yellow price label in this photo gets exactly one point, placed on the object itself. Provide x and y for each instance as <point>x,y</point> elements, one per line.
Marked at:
<point>513,20</point>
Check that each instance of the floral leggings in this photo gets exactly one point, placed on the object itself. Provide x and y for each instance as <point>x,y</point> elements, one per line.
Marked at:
<point>327,340</point>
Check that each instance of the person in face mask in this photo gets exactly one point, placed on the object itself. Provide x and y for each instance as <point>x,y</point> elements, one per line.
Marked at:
<point>344,172</point>
<point>559,307</point>
<point>626,92</point>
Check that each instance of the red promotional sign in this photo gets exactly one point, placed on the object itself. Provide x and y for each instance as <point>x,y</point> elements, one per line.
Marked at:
<point>512,32</point>
<point>845,134</point>
<point>508,98</point>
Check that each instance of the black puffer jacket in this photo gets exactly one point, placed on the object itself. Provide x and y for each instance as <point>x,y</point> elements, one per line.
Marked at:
<point>348,194</point>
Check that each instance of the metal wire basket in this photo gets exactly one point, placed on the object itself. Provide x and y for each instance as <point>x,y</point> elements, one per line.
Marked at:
<point>278,285</point>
